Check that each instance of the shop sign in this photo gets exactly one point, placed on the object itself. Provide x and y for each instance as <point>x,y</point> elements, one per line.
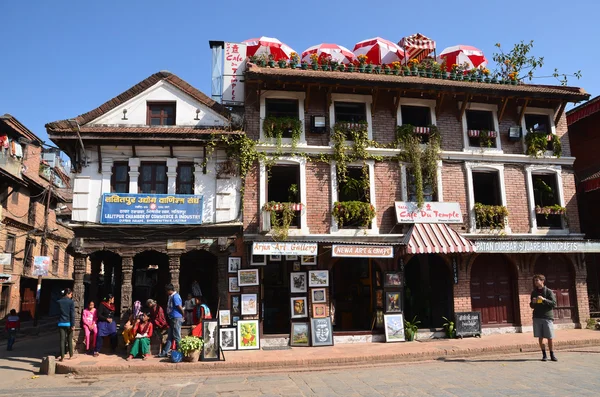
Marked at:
<point>526,247</point>
<point>176,244</point>
<point>41,265</point>
<point>468,324</point>
<point>362,251</point>
<point>275,248</point>
<point>5,259</point>
<point>5,278</point>
<point>151,209</point>
<point>233,74</point>
<point>431,212</point>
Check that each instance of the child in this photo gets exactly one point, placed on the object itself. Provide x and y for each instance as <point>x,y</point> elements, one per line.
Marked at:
<point>143,332</point>
<point>128,333</point>
<point>90,320</point>
<point>190,305</point>
<point>13,324</point>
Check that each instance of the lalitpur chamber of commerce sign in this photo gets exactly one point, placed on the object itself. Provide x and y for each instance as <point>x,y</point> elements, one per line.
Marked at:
<point>278,248</point>
<point>536,246</point>
<point>151,209</point>
<point>431,212</point>
<point>362,251</point>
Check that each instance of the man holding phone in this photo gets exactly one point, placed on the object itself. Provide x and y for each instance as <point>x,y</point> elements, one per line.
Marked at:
<point>543,302</point>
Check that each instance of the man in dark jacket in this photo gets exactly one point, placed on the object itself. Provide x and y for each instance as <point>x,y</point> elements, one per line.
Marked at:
<point>66,322</point>
<point>543,302</point>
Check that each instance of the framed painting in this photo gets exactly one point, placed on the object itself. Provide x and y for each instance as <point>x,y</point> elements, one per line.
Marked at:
<point>235,305</point>
<point>308,260</point>
<point>210,335</point>
<point>318,278</point>
<point>392,302</point>
<point>394,327</point>
<point>392,279</point>
<point>320,310</point>
<point>321,331</point>
<point>300,334</point>
<point>379,298</point>
<point>258,260</point>
<point>248,335</point>
<point>291,257</point>
<point>275,258</point>
<point>247,277</point>
<point>234,320</point>
<point>233,284</point>
<point>249,304</point>
<point>234,264</point>
<point>298,307</point>
<point>227,338</point>
<point>296,266</point>
<point>298,282</point>
<point>224,318</point>
<point>379,319</point>
<point>318,295</point>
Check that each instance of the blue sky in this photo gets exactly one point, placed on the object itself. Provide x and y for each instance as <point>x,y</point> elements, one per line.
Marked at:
<point>62,58</point>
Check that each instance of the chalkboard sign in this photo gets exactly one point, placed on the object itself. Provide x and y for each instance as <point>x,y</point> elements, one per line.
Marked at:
<point>468,324</point>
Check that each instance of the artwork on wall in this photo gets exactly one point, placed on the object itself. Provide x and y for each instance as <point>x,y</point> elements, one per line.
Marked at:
<point>275,258</point>
<point>258,260</point>
<point>227,337</point>
<point>321,331</point>
<point>235,263</point>
<point>394,327</point>
<point>300,334</point>
<point>210,336</point>
<point>379,298</point>
<point>308,260</point>
<point>298,307</point>
<point>247,277</point>
<point>318,295</point>
<point>247,335</point>
<point>318,278</point>
<point>224,318</point>
<point>234,320</point>
<point>249,304</point>
<point>320,310</point>
<point>392,302</point>
<point>291,257</point>
<point>297,282</point>
<point>235,305</point>
<point>296,267</point>
<point>392,279</point>
<point>233,284</point>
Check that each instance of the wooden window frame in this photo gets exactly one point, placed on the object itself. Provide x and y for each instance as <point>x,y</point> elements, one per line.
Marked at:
<point>178,182</point>
<point>55,259</point>
<point>66,260</point>
<point>113,179</point>
<point>163,115</point>
<point>10,250</point>
<point>153,180</point>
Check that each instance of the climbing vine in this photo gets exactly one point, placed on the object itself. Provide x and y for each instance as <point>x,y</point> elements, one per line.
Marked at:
<point>282,216</point>
<point>537,144</point>
<point>490,216</point>
<point>344,154</point>
<point>275,127</point>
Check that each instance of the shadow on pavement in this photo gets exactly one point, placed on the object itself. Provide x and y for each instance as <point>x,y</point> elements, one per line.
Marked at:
<point>491,360</point>
<point>20,369</point>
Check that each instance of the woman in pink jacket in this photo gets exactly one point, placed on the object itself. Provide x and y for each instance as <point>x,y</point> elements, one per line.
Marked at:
<point>90,320</point>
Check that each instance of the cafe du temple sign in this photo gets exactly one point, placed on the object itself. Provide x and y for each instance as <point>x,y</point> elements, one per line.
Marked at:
<point>431,212</point>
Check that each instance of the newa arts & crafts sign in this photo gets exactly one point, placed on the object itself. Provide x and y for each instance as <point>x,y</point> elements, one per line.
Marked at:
<point>431,212</point>
<point>151,209</point>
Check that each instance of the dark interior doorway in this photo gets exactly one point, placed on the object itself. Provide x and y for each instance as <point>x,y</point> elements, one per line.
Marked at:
<point>277,294</point>
<point>351,291</point>
<point>150,275</point>
<point>201,266</point>
<point>428,290</point>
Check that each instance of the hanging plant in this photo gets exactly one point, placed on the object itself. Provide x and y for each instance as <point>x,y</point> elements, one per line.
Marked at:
<point>537,144</point>
<point>343,154</point>
<point>353,212</point>
<point>275,127</point>
<point>486,139</point>
<point>282,216</point>
<point>490,216</point>
<point>423,161</point>
<point>550,210</point>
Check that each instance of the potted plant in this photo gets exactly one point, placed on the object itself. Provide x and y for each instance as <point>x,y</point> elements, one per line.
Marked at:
<point>362,63</point>
<point>377,69</point>
<point>454,71</point>
<point>369,68</point>
<point>444,69</point>
<point>449,328</point>
<point>490,216</point>
<point>486,74</point>
<point>304,65</point>
<point>352,213</point>
<point>282,63</point>
<point>351,66</point>
<point>190,347</point>
<point>413,64</point>
<point>294,60</point>
<point>342,67</point>
<point>550,210</point>
<point>334,65</point>
<point>436,70</point>
<point>325,62</point>
<point>314,61</point>
<point>271,61</point>
<point>512,78</point>
<point>411,328</point>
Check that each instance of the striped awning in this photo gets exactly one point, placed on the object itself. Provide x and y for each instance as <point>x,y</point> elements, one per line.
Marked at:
<point>435,238</point>
<point>417,46</point>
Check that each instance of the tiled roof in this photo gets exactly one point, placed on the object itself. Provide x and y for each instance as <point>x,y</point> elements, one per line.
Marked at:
<point>67,126</point>
<point>584,110</point>
<point>256,73</point>
<point>119,130</point>
<point>14,124</point>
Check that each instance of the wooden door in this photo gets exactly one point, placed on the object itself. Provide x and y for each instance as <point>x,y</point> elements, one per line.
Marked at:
<point>492,290</point>
<point>28,302</point>
<point>559,280</point>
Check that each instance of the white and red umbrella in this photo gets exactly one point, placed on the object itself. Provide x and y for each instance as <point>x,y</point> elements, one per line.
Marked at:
<point>268,46</point>
<point>337,52</point>
<point>417,46</point>
<point>379,51</point>
<point>461,54</point>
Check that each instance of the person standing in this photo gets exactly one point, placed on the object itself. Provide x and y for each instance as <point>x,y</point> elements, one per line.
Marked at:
<point>106,324</point>
<point>13,325</point>
<point>90,326</point>
<point>66,322</point>
<point>202,313</point>
<point>190,305</point>
<point>159,323</point>
<point>196,291</point>
<point>175,314</point>
<point>543,302</point>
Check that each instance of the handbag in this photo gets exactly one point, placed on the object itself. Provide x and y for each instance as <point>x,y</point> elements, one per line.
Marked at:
<point>176,356</point>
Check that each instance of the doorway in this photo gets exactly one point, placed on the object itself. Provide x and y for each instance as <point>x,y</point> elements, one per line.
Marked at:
<point>492,290</point>
<point>200,266</point>
<point>560,280</point>
<point>150,275</point>
<point>276,281</point>
<point>352,296</point>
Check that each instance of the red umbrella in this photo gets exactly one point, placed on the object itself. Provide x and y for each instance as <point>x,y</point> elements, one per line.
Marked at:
<point>268,46</point>
<point>417,46</point>
<point>461,54</point>
<point>337,52</point>
<point>379,51</point>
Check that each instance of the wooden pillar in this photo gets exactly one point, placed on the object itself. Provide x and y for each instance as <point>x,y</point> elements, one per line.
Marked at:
<point>79,265</point>
<point>223,280</point>
<point>174,265</point>
<point>95,275</point>
<point>126,286</point>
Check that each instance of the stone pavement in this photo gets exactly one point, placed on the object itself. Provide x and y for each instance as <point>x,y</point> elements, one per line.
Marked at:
<point>575,374</point>
<point>314,358</point>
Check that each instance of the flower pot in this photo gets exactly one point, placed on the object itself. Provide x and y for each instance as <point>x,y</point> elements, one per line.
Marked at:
<point>304,66</point>
<point>325,67</point>
<point>350,68</point>
<point>361,68</point>
<point>444,75</point>
<point>514,82</point>
<point>397,72</point>
<point>410,335</point>
<point>271,64</point>
<point>314,66</point>
<point>342,68</point>
<point>192,356</point>
<point>293,65</point>
<point>415,71</point>
<point>377,70</point>
<point>368,69</point>
<point>487,80</point>
<point>452,76</point>
<point>429,74</point>
<point>260,63</point>
<point>282,65</point>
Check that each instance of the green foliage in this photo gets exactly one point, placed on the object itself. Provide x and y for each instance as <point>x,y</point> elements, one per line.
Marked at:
<point>348,212</point>
<point>423,162</point>
<point>518,64</point>
<point>293,193</point>
<point>485,140</point>
<point>275,127</point>
<point>190,343</point>
<point>411,328</point>
<point>490,216</point>
<point>282,216</point>
<point>449,328</point>
<point>537,143</point>
<point>342,154</point>
<point>550,210</point>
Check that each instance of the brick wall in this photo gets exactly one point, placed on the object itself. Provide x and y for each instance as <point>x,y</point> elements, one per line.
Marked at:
<point>388,185</point>
<point>251,201</point>
<point>570,194</point>
<point>454,185</point>
<point>516,198</point>
<point>318,197</point>
<point>384,122</point>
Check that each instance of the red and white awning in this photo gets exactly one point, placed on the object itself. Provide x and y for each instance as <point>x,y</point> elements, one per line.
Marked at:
<point>338,53</point>
<point>417,46</point>
<point>463,54</point>
<point>435,238</point>
<point>491,134</point>
<point>379,51</point>
<point>268,46</point>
